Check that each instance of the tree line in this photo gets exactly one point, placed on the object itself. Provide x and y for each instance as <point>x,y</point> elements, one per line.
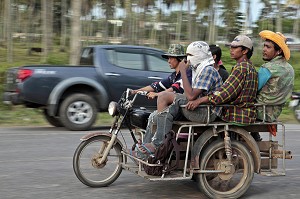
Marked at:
<point>157,23</point>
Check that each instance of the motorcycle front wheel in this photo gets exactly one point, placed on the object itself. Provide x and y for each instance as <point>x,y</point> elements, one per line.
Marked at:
<point>86,162</point>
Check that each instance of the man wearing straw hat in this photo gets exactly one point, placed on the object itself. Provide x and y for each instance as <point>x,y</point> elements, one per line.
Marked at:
<point>280,84</point>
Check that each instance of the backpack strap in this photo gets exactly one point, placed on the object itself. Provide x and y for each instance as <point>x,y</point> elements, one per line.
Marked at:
<point>171,137</point>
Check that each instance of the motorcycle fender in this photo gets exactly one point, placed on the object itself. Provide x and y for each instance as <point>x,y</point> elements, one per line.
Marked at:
<point>209,134</point>
<point>95,134</point>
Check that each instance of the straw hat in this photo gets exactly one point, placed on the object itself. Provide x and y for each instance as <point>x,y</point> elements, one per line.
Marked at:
<point>279,39</point>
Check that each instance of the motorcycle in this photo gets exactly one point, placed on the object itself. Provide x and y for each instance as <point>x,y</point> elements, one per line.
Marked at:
<point>295,105</point>
<point>221,157</point>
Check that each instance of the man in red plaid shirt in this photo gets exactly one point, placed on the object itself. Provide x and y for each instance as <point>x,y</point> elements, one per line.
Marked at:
<point>239,89</point>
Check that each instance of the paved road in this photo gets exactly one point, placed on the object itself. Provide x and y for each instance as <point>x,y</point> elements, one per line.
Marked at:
<point>36,163</point>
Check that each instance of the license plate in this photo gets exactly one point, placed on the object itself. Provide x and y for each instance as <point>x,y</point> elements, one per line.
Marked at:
<point>293,103</point>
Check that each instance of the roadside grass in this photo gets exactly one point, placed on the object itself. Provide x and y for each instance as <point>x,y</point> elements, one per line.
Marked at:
<point>21,116</point>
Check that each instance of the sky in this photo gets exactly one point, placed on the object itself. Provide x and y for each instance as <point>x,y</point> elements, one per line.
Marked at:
<point>256,7</point>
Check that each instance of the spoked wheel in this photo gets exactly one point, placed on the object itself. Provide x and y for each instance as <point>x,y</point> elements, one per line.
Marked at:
<point>238,176</point>
<point>87,166</point>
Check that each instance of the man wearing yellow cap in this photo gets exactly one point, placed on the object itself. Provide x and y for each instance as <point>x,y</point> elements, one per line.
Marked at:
<point>280,85</point>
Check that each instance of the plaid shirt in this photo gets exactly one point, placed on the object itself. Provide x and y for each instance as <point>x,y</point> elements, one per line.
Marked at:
<point>240,90</point>
<point>210,81</point>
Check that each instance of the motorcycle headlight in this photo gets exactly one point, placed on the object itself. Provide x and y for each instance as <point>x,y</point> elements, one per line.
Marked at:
<point>112,108</point>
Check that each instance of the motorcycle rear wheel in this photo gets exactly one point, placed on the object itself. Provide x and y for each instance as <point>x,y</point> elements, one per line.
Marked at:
<point>226,185</point>
<point>86,162</point>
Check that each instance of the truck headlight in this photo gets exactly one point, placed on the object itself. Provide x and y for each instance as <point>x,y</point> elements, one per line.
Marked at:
<point>112,108</point>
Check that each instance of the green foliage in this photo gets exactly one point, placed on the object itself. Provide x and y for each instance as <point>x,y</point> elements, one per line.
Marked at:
<point>20,116</point>
<point>58,58</point>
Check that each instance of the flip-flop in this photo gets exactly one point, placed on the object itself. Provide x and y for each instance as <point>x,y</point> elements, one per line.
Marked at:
<point>146,148</point>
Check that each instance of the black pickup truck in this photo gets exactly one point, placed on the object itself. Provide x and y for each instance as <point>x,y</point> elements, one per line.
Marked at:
<point>72,96</point>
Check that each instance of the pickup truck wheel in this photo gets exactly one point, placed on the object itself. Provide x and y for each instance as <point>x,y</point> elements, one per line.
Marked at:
<point>54,121</point>
<point>78,112</point>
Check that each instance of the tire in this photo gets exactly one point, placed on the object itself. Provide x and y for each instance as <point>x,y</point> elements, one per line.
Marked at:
<point>54,121</point>
<point>296,111</point>
<point>91,174</point>
<point>233,184</point>
<point>78,112</point>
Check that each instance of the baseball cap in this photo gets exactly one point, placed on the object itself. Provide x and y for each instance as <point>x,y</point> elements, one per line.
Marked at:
<point>175,50</point>
<point>242,40</point>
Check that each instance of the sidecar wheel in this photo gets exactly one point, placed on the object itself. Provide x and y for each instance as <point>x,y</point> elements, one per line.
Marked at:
<point>238,178</point>
<point>88,170</point>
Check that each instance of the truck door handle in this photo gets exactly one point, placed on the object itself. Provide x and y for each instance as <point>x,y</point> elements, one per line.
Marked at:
<point>112,74</point>
<point>158,78</point>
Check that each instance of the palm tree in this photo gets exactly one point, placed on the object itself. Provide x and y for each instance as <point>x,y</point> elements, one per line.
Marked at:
<point>144,4</point>
<point>8,30</point>
<point>296,3</point>
<point>209,7</point>
<point>75,45</point>
<point>279,17</point>
<point>169,3</point>
<point>108,8</point>
<point>231,17</point>
<point>47,23</point>
<point>63,29</point>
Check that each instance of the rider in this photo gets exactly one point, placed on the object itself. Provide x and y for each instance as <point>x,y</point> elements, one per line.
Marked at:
<point>206,79</point>
<point>217,54</point>
<point>279,87</point>
<point>172,82</point>
<point>239,89</point>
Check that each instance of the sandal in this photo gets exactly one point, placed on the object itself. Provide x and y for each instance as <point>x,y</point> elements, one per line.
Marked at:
<point>146,148</point>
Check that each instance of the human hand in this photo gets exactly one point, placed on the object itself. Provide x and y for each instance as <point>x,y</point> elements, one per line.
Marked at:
<point>132,92</point>
<point>192,105</point>
<point>183,65</point>
<point>152,95</point>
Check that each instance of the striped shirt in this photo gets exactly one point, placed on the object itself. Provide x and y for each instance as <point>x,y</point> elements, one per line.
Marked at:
<point>240,90</point>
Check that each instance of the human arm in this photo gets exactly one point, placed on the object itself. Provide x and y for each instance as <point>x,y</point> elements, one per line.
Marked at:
<point>231,87</point>
<point>191,105</point>
<point>190,92</point>
<point>227,92</point>
<point>157,87</point>
<point>146,88</point>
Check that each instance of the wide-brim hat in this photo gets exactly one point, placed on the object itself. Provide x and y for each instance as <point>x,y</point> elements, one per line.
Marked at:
<point>175,50</point>
<point>279,39</point>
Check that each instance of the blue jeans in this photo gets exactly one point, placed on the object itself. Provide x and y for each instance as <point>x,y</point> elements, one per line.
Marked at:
<point>164,120</point>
